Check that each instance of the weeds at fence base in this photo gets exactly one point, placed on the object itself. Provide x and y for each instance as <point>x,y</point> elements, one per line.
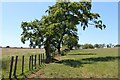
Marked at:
<point>23,66</point>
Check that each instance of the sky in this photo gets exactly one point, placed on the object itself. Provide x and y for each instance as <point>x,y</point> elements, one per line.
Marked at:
<point>13,13</point>
<point>55,0</point>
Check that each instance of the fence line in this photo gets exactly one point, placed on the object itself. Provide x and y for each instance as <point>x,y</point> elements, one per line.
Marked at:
<point>32,62</point>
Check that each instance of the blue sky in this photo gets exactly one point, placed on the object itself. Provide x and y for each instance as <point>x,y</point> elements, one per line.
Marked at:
<point>109,15</point>
<point>54,0</point>
<point>13,13</point>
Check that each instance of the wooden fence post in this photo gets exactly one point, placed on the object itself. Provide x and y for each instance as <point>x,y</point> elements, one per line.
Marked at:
<point>11,66</point>
<point>23,64</point>
<point>39,59</point>
<point>35,61</point>
<point>15,68</point>
<point>43,57</point>
<point>30,63</point>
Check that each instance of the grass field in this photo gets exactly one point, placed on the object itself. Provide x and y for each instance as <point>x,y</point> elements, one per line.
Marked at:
<point>96,63</point>
<point>6,57</point>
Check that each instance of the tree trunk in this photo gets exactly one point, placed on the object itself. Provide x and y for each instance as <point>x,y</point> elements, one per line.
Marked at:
<point>59,45</point>
<point>59,51</point>
<point>71,48</point>
<point>47,51</point>
<point>48,57</point>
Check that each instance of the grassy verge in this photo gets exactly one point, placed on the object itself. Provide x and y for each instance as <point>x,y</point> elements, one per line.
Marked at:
<point>96,63</point>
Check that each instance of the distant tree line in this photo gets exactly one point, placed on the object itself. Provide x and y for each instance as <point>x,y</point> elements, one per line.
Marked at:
<point>95,46</point>
<point>75,45</point>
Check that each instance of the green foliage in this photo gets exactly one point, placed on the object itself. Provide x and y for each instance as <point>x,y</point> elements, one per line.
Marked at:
<point>76,13</point>
<point>109,45</point>
<point>7,46</point>
<point>33,32</point>
<point>99,45</point>
<point>118,45</point>
<point>61,20</point>
<point>78,46</point>
<point>88,46</point>
<point>70,41</point>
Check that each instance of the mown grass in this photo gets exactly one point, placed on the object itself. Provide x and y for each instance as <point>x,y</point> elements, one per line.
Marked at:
<point>6,58</point>
<point>96,63</point>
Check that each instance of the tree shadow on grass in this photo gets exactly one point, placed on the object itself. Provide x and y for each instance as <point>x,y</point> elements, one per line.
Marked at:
<point>73,63</point>
<point>80,63</point>
<point>102,59</point>
<point>83,54</point>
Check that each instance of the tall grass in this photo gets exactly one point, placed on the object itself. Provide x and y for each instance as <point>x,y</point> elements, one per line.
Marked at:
<point>6,60</point>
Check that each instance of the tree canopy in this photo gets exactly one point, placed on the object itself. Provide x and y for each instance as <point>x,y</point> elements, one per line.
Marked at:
<point>60,25</point>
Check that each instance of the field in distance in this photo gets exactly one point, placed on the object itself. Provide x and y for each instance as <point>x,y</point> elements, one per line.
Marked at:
<point>20,51</point>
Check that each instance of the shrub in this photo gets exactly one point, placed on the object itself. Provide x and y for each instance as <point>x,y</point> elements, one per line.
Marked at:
<point>7,46</point>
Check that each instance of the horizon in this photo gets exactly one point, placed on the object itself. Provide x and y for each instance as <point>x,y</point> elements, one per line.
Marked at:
<point>43,47</point>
